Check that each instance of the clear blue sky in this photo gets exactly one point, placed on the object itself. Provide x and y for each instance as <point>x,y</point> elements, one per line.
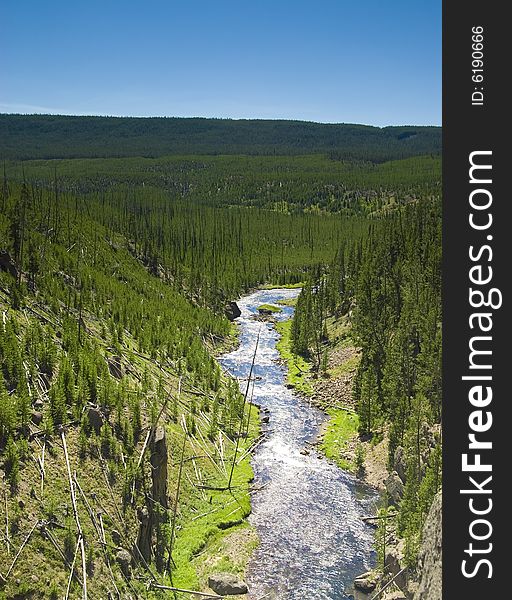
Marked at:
<point>364,61</point>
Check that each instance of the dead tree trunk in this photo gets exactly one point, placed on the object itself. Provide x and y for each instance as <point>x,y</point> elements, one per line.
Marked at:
<point>145,533</point>
<point>159,466</point>
<point>159,491</point>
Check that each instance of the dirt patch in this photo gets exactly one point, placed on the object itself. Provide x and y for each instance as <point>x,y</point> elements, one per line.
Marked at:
<point>340,356</point>
<point>375,463</point>
<point>334,391</point>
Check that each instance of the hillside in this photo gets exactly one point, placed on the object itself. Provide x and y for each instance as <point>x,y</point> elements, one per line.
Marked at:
<point>112,306</point>
<point>367,333</point>
<point>117,427</point>
<point>55,136</point>
<point>281,183</point>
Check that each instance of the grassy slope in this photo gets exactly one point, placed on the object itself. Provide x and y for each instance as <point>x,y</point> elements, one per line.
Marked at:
<point>206,520</point>
<point>299,370</point>
<point>342,427</point>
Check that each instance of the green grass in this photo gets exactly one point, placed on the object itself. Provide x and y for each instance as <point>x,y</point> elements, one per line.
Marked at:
<point>342,427</point>
<point>340,332</point>
<point>287,302</point>
<point>286,286</point>
<point>299,370</point>
<point>209,520</point>
<point>269,308</point>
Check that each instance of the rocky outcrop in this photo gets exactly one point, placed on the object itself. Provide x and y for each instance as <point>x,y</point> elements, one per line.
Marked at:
<point>422,583</point>
<point>429,586</point>
<point>153,516</point>
<point>232,311</point>
<point>159,502</point>
<point>394,487</point>
<point>124,560</point>
<point>227,584</point>
<point>394,567</point>
<point>399,463</point>
<point>7,264</point>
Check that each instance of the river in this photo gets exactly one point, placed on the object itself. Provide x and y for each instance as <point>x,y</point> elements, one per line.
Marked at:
<point>306,510</point>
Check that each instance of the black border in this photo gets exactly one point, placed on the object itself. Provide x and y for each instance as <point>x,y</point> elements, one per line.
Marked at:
<point>467,128</point>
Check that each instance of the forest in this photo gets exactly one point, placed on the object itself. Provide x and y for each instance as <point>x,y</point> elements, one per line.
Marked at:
<point>57,136</point>
<point>388,286</point>
<point>117,263</point>
<point>281,183</point>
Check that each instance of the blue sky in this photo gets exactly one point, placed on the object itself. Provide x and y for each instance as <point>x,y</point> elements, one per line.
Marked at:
<point>365,61</point>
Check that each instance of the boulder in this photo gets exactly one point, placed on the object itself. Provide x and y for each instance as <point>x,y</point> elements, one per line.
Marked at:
<point>232,311</point>
<point>366,582</point>
<point>37,417</point>
<point>394,487</point>
<point>116,537</point>
<point>124,560</point>
<point>393,565</point>
<point>96,418</point>
<point>227,584</point>
<point>7,264</point>
<point>399,463</point>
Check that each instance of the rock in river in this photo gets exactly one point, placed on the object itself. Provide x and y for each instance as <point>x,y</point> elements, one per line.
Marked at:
<point>227,584</point>
<point>232,311</point>
<point>366,582</point>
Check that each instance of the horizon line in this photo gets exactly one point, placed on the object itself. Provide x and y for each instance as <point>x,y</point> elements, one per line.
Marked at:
<point>206,118</point>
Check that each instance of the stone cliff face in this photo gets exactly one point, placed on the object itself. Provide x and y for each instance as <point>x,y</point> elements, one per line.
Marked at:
<point>429,569</point>
<point>425,582</point>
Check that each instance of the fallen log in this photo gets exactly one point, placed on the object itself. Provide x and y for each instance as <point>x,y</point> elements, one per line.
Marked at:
<point>183,591</point>
<point>25,542</point>
<point>382,590</point>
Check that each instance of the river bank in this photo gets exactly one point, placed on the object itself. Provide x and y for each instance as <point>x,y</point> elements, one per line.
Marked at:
<point>331,391</point>
<point>306,511</point>
<point>339,440</point>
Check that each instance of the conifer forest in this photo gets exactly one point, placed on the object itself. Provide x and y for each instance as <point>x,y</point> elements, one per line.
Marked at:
<point>125,446</point>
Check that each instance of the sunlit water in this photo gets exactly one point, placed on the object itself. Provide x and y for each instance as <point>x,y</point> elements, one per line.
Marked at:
<point>307,511</point>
